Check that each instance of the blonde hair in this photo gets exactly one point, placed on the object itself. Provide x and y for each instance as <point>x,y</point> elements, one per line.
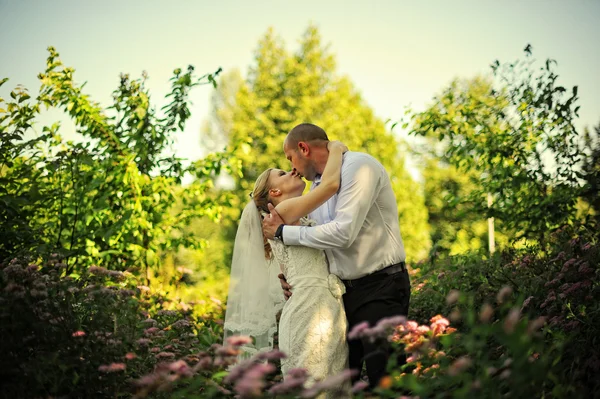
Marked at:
<point>261,198</point>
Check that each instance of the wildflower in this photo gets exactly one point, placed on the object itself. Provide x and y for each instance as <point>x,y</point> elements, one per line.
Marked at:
<point>180,367</point>
<point>330,383</point>
<point>78,334</point>
<point>393,321</point>
<point>452,297</point>
<point>143,341</point>
<point>239,340</point>
<point>204,363</point>
<point>97,270</point>
<point>151,331</point>
<point>165,355</point>
<point>181,324</point>
<point>130,356</point>
<point>511,320</point>
<point>385,382</point>
<point>536,324</point>
<point>486,313</point>
<point>423,330</point>
<point>358,330</point>
<point>155,349</point>
<point>439,324</point>
<point>252,381</point>
<point>459,365</point>
<point>32,268</point>
<point>166,313</point>
<point>117,274</point>
<point>111,368</point>
<point>526,302</point>
<point>503,294</point>
<point>227,351</point>
<point>455,315</point>
<point>586,246</point>
<point>292,382</point>
<point>275,355</point>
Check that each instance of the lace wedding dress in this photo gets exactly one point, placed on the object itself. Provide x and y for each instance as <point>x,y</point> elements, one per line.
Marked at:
<point>312,327</point>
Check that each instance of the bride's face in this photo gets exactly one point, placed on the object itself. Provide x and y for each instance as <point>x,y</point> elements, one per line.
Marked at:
<point>289,184</point>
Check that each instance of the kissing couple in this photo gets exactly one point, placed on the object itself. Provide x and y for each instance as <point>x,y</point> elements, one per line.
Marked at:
<point>337,252</point>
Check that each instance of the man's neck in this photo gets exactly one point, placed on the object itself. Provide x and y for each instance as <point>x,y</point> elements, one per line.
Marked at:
<point>320,156</point>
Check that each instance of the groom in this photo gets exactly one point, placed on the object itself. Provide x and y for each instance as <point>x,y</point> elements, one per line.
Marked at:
<point>359,231</point>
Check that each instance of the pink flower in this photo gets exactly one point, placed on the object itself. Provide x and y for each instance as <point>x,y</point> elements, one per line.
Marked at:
<point>151,331</point>
<point>111,368</point>
<point>227,351</point>
<point>486,313</point>
<point>526,303</point>
<point>289,384</point>
<point>393,321</point>
<point>503,294</point>
<point>334,382</point>
<point>359,386</point>
<point>143,341</point>
<point>452,297</point>
<point>459,365</point>
<point>180,367</point>
<point>358,330</point>
<point>78,334</point>
<point>130,356</point>
<point>239,340</point>
<point>511,320</point>
<point>162,355</point>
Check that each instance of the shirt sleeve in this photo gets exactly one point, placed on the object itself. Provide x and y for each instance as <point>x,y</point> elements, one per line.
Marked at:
<point>360,185</point>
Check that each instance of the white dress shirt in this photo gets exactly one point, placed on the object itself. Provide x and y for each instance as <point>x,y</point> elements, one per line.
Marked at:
<point>358,227</point>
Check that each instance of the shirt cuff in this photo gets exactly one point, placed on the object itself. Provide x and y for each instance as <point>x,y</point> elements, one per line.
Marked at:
<point>291,235</point>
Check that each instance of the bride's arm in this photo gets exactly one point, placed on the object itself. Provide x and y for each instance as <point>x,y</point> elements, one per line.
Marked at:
<point>293,209</point>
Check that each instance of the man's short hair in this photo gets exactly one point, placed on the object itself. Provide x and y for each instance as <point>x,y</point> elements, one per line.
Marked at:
<point>306,132</point>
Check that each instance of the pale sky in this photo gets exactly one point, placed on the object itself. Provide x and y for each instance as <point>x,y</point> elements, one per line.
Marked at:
<point>395,52</point>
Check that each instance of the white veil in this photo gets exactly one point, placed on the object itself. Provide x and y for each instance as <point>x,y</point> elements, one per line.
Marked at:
<point>255,295</point>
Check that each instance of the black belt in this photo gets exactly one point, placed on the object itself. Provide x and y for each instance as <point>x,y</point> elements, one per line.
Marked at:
<point>378,275</point>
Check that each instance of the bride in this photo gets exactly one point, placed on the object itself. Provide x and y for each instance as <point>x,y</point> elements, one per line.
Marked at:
<point>312,327</point>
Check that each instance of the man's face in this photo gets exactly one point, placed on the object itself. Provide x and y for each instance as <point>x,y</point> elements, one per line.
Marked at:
<point>300,163</point>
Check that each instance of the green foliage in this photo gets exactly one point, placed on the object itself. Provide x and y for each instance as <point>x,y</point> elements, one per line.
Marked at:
<point>557,280</point>
<point>591,173</point>
<point>455,228</point>
<point>518,139</point>
<point>284,89</point>
<point>108,199</point>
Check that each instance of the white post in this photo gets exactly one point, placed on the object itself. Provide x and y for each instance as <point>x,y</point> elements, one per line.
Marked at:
<point>491,242</point>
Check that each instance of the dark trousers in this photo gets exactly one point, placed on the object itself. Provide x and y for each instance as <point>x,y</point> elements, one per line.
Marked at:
<point>371,302</point>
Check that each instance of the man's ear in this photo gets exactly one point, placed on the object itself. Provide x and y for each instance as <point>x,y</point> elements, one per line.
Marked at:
<point>304,148</point>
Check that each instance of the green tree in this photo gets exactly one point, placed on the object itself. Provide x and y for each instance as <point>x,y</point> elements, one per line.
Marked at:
<point>517,135</point>
<point>109,199</point>
<point>283,89</point>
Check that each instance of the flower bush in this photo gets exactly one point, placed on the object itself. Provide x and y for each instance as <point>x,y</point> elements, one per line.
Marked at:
<point>88,335</point>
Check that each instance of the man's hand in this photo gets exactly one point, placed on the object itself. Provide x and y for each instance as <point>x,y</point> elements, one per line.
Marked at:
<point>271,222</point>
<point>285,286</point>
